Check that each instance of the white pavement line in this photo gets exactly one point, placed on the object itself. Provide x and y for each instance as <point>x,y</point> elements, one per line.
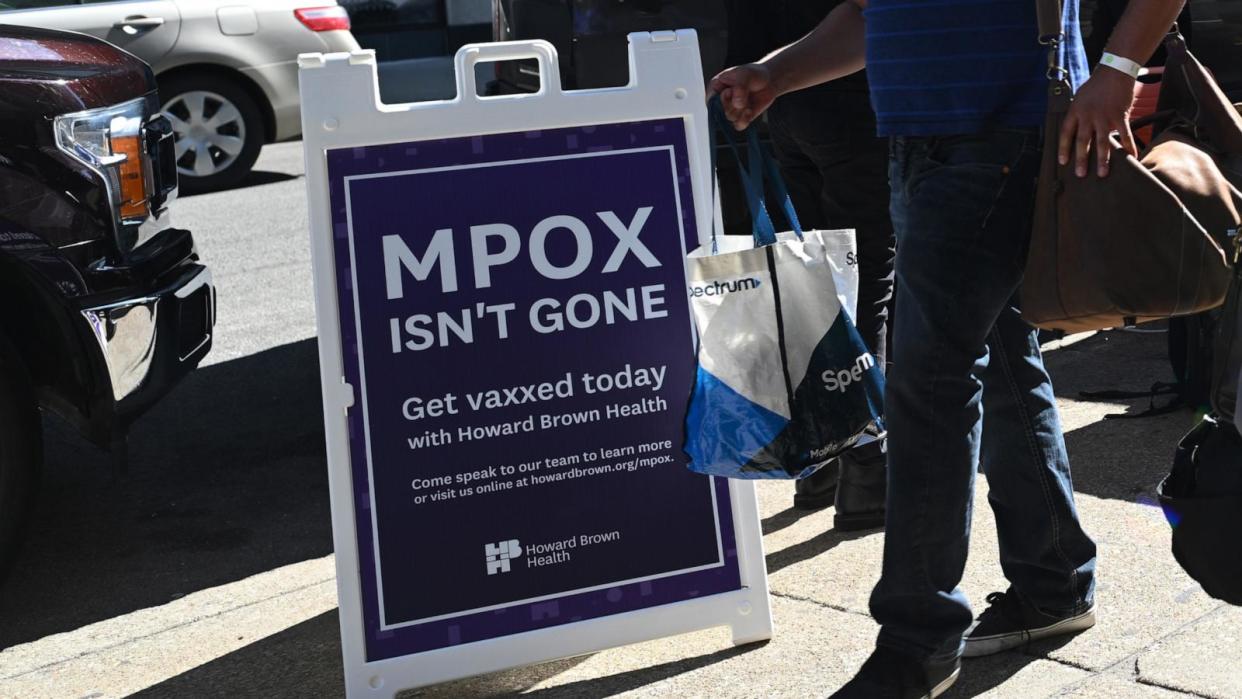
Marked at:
<point>312,579</point>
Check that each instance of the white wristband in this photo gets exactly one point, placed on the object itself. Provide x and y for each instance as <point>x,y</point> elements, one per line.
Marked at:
<point>1124,65</point>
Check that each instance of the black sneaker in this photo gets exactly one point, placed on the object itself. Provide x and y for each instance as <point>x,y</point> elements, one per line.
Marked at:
<point>1011,622</point>
<point>888,674</point>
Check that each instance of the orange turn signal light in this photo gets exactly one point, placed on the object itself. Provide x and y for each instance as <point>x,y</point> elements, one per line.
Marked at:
<point>132,177</point>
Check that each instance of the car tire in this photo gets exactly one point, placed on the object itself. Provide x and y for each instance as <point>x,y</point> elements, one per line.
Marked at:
<point>21,453</point>
<point>219,130</point>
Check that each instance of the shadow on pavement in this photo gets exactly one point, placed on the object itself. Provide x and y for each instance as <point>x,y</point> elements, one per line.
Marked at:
<point>982,675</point>
<point>254,178</point>
<point>812,547</point>
<point>226,480</point>
<point>1118,459</point>
<point>305,661</point>
<point>301,661</point>
<point>784,518</point>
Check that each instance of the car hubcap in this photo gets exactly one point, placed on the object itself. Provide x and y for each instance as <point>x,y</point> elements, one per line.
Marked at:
<point>210,132</point>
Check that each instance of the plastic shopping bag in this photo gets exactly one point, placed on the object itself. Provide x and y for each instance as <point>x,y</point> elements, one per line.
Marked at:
<point>784,381</point>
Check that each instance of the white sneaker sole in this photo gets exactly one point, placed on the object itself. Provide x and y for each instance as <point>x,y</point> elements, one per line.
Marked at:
<point>988,645</point>
<point>945,684</point>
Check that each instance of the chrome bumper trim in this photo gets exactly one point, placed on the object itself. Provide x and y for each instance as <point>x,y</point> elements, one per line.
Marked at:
<point>140,336</point>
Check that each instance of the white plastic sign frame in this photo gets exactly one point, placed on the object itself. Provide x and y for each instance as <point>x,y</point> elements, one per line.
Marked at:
<point>341,108</point>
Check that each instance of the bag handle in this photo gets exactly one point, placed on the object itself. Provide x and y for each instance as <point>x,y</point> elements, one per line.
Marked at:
<point>772,174</point>
<point>762,168</point>
<point>1049,14</point>
<point>762,229</point>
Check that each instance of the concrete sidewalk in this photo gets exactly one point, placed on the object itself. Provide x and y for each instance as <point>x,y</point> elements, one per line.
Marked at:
<point>1159,635</point>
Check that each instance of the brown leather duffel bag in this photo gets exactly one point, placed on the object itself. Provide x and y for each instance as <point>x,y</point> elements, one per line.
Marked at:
<point>1148,241</point>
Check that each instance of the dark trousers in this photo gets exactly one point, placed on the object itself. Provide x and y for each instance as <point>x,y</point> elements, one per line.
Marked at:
<point>968,386</point>
<point>836,169</point>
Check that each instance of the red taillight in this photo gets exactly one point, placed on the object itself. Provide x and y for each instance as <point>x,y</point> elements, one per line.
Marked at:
<point>323,19</point>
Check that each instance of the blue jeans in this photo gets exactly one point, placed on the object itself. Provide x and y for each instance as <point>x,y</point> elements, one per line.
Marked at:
<point>967,385</point>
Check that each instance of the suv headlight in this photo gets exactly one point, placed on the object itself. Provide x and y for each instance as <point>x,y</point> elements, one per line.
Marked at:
<point>113,142</point>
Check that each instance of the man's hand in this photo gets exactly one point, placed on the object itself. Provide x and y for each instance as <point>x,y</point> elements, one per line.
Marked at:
<point>1101,107</point>
<point>832,50</point>
<point>745,91</point>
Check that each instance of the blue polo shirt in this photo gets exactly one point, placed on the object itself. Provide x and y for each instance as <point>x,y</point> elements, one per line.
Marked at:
<point>941,67</point>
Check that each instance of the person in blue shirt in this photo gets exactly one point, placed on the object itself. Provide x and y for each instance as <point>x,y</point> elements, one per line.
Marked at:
<point>959,87</point>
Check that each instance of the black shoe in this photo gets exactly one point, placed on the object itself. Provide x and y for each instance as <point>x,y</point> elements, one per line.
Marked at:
<point>862,488</point>
<point>818,490</point>
<point>1011,622</point>
<point>888,674</point>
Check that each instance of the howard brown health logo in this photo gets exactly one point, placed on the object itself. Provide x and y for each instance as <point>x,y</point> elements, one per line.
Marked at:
<point>500,556</point>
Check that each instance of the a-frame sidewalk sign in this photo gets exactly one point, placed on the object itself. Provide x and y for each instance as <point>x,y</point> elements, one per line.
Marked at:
<point>506,354</point>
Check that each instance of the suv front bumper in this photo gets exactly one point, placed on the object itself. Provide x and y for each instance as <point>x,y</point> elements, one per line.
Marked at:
<point>151,337</point>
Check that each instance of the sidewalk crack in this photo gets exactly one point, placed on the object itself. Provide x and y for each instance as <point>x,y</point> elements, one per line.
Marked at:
<point>1178,690</point>
<point>1135,674</point>
<point>1058,661</point>
<point>835,608</point>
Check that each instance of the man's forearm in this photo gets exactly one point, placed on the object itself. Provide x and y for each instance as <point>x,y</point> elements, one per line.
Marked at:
<point>832,50</point>
<point>1141,27</point>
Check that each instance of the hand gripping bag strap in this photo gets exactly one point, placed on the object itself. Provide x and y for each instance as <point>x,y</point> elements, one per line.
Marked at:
<point>761,222</point>
<point>759,169</point>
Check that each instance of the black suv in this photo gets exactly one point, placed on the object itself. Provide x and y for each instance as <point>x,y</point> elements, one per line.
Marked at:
<point>103,304</point>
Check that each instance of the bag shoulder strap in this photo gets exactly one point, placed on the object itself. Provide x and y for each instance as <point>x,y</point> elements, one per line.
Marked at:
<point>1049,13</point>
<point>1050,16</point>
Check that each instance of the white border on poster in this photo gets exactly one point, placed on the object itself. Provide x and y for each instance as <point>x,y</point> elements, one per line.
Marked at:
<point>341,108</point>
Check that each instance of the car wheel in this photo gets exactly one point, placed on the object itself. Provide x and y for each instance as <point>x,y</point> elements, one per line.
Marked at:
<point>21,452</point>
<point>219,130</point>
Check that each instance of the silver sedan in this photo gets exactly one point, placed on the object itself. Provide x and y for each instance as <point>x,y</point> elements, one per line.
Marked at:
<point>227,70</point>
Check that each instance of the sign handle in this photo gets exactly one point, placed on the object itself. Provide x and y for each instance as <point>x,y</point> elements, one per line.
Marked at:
<point>542,51</point>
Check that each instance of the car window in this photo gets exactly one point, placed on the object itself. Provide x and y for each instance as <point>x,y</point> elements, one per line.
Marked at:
<point>399,29</point>
<point>373,14</point>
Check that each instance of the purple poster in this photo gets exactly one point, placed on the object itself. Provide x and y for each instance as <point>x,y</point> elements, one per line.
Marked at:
<point>515,323</point>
